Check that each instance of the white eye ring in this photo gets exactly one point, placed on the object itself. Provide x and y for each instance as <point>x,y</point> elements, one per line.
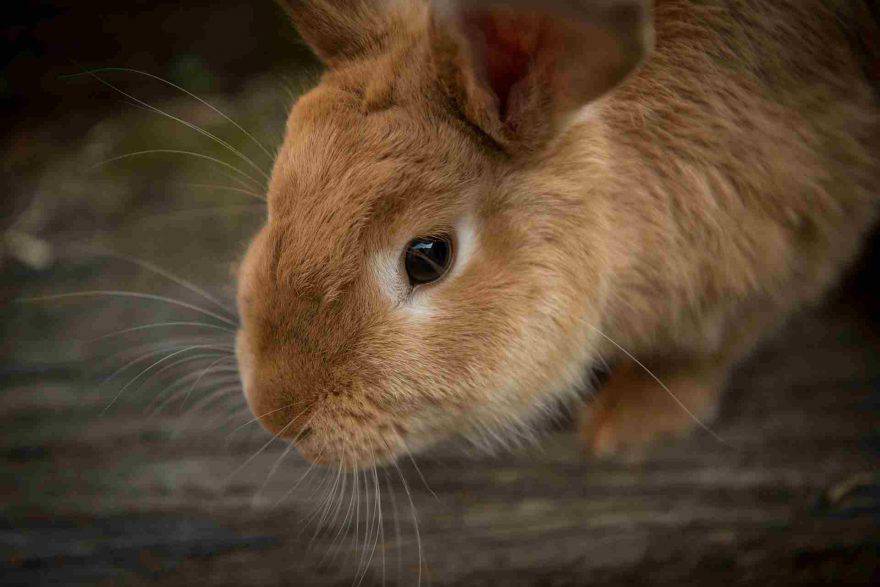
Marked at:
<point>389,270</point>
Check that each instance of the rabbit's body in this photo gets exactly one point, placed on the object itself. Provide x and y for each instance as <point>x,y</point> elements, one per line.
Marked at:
<point>745,148</point>
<point>743,159</point>
<point>676,219</point>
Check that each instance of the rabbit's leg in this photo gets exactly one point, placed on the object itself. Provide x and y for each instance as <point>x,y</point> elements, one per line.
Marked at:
<point>634,409</point>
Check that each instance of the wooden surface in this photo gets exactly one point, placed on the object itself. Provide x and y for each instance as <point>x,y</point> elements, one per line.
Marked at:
<point>125,498</point>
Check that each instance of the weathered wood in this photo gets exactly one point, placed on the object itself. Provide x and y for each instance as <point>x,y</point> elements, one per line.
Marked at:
<point>793,498</point>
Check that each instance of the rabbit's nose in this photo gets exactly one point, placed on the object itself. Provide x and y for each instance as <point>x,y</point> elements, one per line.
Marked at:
<point>288,421</point>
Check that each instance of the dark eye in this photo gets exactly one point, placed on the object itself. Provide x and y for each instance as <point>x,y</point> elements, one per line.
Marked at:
<point>427,258</point>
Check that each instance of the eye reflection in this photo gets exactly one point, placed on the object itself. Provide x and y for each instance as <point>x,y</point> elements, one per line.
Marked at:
<point>427,258</point>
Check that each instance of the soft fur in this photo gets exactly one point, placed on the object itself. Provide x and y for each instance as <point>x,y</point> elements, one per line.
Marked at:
<point>677,217</point>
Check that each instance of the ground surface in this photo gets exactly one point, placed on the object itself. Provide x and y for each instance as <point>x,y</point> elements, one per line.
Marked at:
<point>124,497</point>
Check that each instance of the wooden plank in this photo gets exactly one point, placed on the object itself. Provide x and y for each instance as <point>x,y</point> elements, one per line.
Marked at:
<point>121,497</point>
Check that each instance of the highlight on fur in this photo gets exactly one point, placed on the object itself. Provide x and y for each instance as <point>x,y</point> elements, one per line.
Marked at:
<point>619,181</point>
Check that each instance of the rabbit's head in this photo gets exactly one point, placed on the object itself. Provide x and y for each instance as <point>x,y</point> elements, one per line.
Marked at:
<point>428,265</point>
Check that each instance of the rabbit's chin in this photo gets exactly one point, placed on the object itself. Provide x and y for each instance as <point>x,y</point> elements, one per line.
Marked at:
<point>362,449</point>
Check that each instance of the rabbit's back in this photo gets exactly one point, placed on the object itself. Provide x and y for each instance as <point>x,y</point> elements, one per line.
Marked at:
<point>745,152</point>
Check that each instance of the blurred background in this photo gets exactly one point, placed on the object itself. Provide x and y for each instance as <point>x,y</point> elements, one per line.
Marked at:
<point>136,139</point>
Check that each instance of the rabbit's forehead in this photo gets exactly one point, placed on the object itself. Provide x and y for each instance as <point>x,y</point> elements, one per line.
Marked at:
<point>377,167</point>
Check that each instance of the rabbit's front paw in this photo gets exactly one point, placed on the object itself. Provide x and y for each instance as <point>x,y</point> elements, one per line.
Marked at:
<point>633,411</point>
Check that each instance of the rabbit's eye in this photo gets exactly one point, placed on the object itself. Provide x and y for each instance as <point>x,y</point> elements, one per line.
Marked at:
<point>426,259</point>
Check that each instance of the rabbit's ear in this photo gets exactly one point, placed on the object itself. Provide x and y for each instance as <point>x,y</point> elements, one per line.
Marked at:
<point>518,68</point>
<point>340,30</point>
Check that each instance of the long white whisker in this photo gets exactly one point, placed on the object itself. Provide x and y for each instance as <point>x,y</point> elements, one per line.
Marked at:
<point>662,385</point>
<point>224,164</point>
<point>415,519</point>
<point>257,418</point>
<point>166,274</point>
<point>227,382</point>
<point>397,543</point>
<point>187,124</point>
<point>161,325</point>
<point>191,95</point>
<point>130,294</point>
<point>228,188</point>
<point>376,513</point>
<point>324,507</point>
<point>127,181</point>
<point>202,375</point>
<point>182,380</point>
<point>290,491</point>
<point>183,214</point>
<point>367,528</point>
<point>340,472</point>
<point>264,447</point>
<point>272,472</point>
<point>381,536</point>
<point>212,397</point>
<point>413,461</point>
<point>163,347</point>
<point>336,538</point>
<point>155,364</point>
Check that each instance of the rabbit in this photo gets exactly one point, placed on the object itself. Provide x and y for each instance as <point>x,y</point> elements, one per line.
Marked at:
<point>480,202</point>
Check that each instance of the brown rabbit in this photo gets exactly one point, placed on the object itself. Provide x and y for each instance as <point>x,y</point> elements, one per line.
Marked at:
<point>482,200</point>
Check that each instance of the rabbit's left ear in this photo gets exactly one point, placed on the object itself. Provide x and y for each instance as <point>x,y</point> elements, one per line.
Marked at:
<point>341,30</point>
<point>517,68</point>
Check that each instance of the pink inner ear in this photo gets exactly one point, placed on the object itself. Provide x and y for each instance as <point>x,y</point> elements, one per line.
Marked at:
<point>508,44</point>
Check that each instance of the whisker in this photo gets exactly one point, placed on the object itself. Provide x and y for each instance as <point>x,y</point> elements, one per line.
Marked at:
<point>174,393</point>
<point>228,188</point>
<point>316,503</point>
<point>242,410</point>
<point>130,181</point>
<point>188,93</point>
<point>206,210</point>
<point>376,514</point>
<point>185,123</point>
<point>152,267</point>
<point>130,294</point>
<point>290,491</point>
<point>257,418</point>
<point>160,325</point>
<point>414,518</point>
<point>344,476</point>
<point>139,375</point>
<point>662,385</point>
<point>324,507</point>
<point>413,461</point>
<point>336,538</point>
<point>224,164</point>
<point>212,397</point>
<point>270,441</point>
<point>156,349</point>
<point>362,567</point>
<point>272,472</point>
<point>220,386</point>
<point>381,519</point>
<point>198,380</point>
<point>183,361</point>
<point>389,486</point>
<point>357,504</point>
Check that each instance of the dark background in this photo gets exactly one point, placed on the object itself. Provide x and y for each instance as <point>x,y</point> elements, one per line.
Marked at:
<point>97,490</point>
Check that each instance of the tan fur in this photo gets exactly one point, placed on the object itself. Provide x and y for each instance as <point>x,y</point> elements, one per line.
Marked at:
<point>682,216</point>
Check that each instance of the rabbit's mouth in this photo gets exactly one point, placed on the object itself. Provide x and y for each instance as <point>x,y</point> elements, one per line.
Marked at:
<point>330,429</point>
